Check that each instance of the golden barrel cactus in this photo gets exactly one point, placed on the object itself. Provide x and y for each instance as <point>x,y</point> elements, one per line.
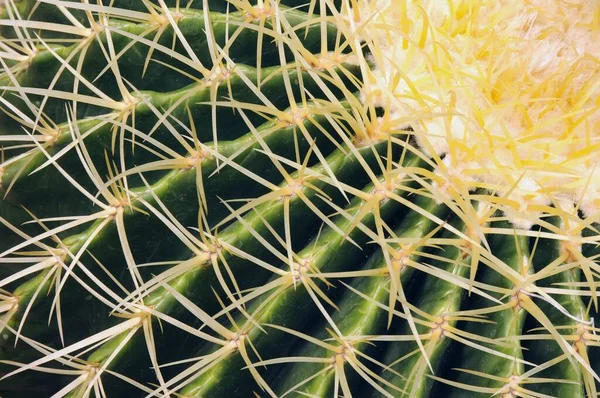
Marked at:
<point>365,198</point>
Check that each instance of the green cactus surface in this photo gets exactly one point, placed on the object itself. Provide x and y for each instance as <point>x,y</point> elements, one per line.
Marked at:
<point>285,198</point>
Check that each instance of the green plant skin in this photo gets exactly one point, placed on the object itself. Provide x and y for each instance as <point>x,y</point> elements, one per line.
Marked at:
<point>197,97</point>
<point>506,323</point>
<point>357,317</point>
<point>48,12</point>
<point>542,351</point>
<point>436,298</point>
<point>292,308</point>
<point>180,184</point>
<point>177,185</point>
<point>9,211</point>
<point>238,235</point>
<point>49,180</point>
<point>44,66</point>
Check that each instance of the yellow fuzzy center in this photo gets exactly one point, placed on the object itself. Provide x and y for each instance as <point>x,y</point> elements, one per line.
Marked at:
<point>506,92</point>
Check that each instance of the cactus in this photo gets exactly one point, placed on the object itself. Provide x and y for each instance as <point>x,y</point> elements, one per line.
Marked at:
<point>327,198</point>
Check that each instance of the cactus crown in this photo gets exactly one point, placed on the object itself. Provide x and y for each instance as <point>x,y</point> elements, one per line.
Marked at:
<point>371,198</point>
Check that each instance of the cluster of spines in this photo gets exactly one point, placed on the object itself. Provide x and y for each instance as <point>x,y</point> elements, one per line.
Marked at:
<point>245,254</point>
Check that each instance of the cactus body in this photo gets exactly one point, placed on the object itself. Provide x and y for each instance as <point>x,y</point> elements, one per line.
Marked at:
<point>218,199</point>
